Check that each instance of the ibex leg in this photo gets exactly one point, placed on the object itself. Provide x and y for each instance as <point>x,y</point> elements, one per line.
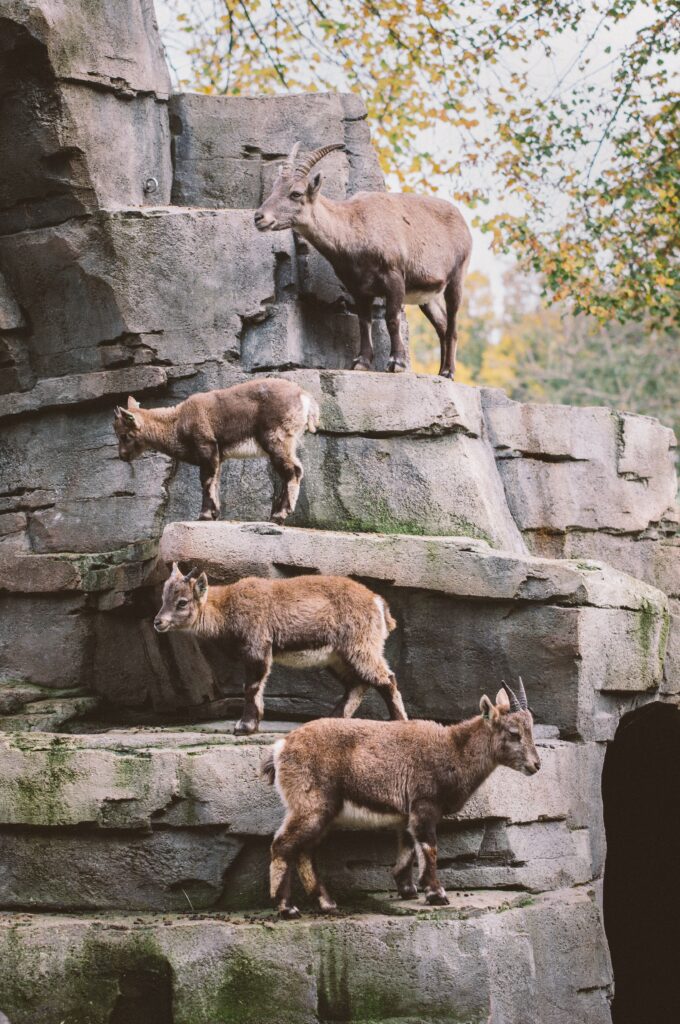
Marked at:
<point>435,311</point>
<point>296,834</point>
<point>288,468</point>
<point>257,671</point>
<point>403,869</point>
<point>394,303</point>
<point>313,885</point>
<point>423,823</point>
<point>374,671</point>
<point>453,295</point>
<point>364,308</point>
<point>209,470</point>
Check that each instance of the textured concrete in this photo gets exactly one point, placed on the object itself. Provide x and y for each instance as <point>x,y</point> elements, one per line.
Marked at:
<point>369,966</point>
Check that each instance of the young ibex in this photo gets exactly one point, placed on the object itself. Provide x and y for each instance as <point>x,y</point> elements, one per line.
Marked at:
<point>375,774</point>
<point>258,419</point>
<point>403,248</point>
<point>303,622</point>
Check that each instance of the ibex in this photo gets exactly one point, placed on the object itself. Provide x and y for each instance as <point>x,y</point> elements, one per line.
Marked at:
<point>304,622</point>
<point>258,419</point>
<point>377,774</point>
<point>400,247</point>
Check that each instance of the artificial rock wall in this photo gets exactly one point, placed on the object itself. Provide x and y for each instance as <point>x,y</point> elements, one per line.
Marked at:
<point>508,539</point>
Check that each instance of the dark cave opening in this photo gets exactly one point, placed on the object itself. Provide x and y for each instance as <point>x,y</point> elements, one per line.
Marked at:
<point>641,799</point>
<point>145,994</point>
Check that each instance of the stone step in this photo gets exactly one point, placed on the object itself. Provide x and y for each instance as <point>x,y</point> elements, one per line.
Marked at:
<point>152,819</point>
<point>583,636</point>
<point>492,957</point>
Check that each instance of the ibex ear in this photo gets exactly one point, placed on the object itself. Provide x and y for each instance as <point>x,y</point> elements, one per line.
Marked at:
<point>129,418</point>
<point>175,570</point>
<point>489,712</point>
<point>502,700</point>
<point>201,587</point>
<point>314,185</point>
<point>133,403</point>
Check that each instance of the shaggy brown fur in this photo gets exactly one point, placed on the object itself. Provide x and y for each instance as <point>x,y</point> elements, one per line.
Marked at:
<point>402,248</point>
<point>253,420</point>
<point>304,622</point>
<point>377,774</point>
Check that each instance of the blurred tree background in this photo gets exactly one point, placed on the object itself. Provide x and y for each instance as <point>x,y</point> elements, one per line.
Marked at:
<point>556,123</point>
<point>541,353</point>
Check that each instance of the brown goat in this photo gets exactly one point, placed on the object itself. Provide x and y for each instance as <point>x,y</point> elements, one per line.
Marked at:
<point>253,420</point>
<point>402,248</point>
<point>303,622</point>
<point>378,774</point>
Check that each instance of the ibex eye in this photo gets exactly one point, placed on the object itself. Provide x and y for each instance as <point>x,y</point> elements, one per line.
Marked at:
<point>182,603</point>
<point>296,195</point>
<point>514,733</point>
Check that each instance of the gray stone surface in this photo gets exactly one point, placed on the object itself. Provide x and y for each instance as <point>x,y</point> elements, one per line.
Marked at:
<point>68,93</point>
<point>566,468</point>
<point>226,151</point>
<point>139,779</point>
<point>77,36</point>
<point>542,961</point>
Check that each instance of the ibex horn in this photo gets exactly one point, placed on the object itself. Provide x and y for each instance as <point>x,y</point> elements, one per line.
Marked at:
<point>523,703</point>
<point>192,574</point>
<point>303,169</point>
<point>288,165</point>
<point>514,702</point>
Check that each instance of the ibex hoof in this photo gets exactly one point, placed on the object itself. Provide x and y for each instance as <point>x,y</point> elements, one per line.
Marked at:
<point>446,373</point>
<point>245,728</point>
<point>361,364</point>
<point>327,906</point>
<point>289,914</point>
<point>279,518</point>
<point>437,899</point>
<point>408,892</point>
<point>395,365</point>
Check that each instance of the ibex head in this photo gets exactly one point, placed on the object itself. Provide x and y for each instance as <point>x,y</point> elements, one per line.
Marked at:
<point>127,425</point>
<point>511,724</point>
<point>183,598</point>
<point>294,192</point>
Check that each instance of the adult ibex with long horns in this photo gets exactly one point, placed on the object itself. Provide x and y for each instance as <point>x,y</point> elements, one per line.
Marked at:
<point>400,247</point>
<point>407,775</point>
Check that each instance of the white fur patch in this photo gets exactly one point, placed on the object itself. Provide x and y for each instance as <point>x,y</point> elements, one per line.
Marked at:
<point>355,816</point>
<point>304,401</point>
<point>419,298</point>
<point>248,449</point>
<point>380,605</point>
<point>278,750</point>
<point>317,657</point>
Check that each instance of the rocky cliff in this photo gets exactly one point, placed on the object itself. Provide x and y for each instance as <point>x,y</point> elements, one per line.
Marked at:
<point>508,538</point>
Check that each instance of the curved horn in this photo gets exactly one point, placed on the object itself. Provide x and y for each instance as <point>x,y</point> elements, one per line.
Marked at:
<point>288,165</point>
<point>192,574</point>
<point>523,703</point>
<point>514,702</point>
<point>303,169</point>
